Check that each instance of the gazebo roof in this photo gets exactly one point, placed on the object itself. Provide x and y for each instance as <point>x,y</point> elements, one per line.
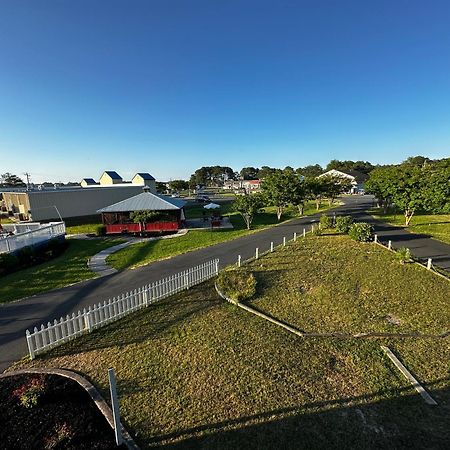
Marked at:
<point>146,201</point>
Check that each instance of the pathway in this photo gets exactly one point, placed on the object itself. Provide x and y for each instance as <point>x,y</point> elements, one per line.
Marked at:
<point>16,317</point>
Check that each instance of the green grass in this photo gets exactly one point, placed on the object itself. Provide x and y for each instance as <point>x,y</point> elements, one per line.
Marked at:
<point>147,252</point>
<point>196,372</point>
<point>85,228</point>
<point>5,219</point>
<point>434,225</point>
<point>66,269</point>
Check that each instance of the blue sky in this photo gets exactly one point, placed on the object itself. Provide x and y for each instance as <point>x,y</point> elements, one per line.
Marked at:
<point>168,86</point>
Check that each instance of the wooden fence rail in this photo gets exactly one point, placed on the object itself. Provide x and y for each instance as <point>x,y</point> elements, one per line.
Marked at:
<point>60,331</point>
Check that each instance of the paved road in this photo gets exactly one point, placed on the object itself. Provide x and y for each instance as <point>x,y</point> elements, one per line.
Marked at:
<point>16,317</point>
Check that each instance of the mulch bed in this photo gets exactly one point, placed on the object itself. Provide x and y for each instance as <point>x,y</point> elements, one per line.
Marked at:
<point>40,411</point>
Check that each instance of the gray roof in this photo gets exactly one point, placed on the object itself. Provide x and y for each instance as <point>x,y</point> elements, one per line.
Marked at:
<point>146,201</point>
<point>145,175</point>
<point>114,175</point>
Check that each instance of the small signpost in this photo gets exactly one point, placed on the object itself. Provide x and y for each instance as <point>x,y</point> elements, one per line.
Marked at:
<point>115,406</point>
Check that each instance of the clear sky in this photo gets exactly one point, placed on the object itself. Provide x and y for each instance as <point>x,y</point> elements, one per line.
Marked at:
<point>168,86</point>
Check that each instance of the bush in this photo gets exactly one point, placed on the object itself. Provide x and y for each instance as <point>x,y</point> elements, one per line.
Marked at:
<point>29,393</point>
<point>26,255</point>
<point>403,254</point>
<point>343,223</point>
<point>316,231</point>
<point>8,262</point>
<point>100,230</point>
<point>326,222</point>
<point>56,247</point>
<point>237,285</point>
<point>361,232</point>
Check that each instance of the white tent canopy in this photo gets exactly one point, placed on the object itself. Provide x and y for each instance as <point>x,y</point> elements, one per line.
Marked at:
<point>211,206</point>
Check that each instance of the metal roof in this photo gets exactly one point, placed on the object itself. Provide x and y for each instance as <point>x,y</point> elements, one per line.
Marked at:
<point>114,175</point>
<point>145,175</point>
<point>89,180</point>
<point>146,201</point>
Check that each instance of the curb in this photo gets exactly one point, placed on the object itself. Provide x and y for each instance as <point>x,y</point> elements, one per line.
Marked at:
<point>90,389</point>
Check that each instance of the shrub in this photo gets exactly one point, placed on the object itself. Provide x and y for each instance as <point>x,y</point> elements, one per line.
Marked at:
<point>56,247</point>
<point>326,222</point>
<point>316,231</point>
<point>8,262</point>
<point>403,254</point>
<point>26,255</point>
<point>361,232</point>
<point>100,230</point>
<point>237,285</point>
<point>343,223</point>
<point>29,393</point>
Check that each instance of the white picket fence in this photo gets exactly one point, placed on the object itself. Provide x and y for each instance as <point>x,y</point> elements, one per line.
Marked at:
<point>35,234</point>
<point>60,331</point>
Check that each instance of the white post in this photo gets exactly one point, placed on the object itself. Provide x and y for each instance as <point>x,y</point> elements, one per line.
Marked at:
<point>239,260</point>
<point>271,247</point>
<point>256,253</point>
<point>115,406</point>
<point>295,236</point>
<point>304,232</point>
<point>284,242</point>
<point>30,345</point>
<point>389,244</point>
<point>429,263</point>
<point>376,239</point>
<point>217,267</point>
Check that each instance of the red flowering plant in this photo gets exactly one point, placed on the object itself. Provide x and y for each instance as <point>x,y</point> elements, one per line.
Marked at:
<point>29,393</point>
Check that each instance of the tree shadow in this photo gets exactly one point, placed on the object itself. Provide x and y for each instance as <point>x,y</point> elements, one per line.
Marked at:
<point>403,421</point>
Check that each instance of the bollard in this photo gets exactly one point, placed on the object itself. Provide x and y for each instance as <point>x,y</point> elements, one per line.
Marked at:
<point>429,263</point>
<point>295,236</point>
<point>256,253</point>
<point>284,242</point>
<point>239,260</point>
<point>389,245</point>
<point>304,232</point>
<point>376,239</point>
<point>271,247</point>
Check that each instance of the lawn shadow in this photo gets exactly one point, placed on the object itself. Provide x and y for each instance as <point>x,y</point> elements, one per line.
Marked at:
<point>360,422</point>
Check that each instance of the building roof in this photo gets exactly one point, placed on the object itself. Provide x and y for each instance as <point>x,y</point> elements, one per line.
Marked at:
<point>145,176</point>
<point>114,175</point>
<point>357,176</point>
<point>146,201</point>
<point>89,181</point>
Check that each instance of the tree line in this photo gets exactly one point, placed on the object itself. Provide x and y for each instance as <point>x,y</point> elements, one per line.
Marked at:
<point>418,184</point>
<point>282,189</point>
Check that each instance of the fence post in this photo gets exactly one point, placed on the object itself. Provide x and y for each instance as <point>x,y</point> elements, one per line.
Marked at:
<point>389,244</point>
<point>304,232</point>
<point>295,236</point>
<point>284,242</point>
<point>217,266</point>
<point>239,260</point>
<point>115,406</point>
<point>87,320</point>
<point>271,247</point>
<point>186,280</point>
<point>30,345</point>
<point>145,294</point>
<point>376,238</point>
<point>256,253</point>
<point>429,263</point>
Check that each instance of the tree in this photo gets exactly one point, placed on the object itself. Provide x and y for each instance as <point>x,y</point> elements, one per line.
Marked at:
<point>10,180</point>
<point>278,188</point>
<point>346,166</point>
<point>249,173</point>
<point>265,171</point>
<point>299,194</point>
<point>417,161</point>
<point>178,185</point>
<point>211,175</point>
<point>315,190</point>
<point>334,186</point>
<point>310,171</point>
<point>143,216</point>
<point>379,184</point>
<point>247,206</point>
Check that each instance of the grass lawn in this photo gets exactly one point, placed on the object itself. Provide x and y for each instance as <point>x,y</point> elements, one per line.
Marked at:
<point>66,269</point>
<point>435,225</point>
<point>196,372</point>
<point>5,219</point>
<point>147,252</point>
<point>86,228</point>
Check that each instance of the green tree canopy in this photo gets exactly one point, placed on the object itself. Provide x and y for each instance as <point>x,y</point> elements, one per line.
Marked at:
<point>248,205</point>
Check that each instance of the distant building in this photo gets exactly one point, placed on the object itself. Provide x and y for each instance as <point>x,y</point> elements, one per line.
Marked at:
<point>110,177</point>
<point>357,179</point>
<point>78,201</point>
<point>242,185</point>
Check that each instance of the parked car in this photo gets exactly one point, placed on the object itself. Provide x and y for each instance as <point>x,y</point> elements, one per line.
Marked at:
<point>175,195</point>
<point>203,198</point>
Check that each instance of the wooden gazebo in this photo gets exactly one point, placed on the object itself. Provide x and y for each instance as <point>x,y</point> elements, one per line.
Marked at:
<point>117,218</point>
